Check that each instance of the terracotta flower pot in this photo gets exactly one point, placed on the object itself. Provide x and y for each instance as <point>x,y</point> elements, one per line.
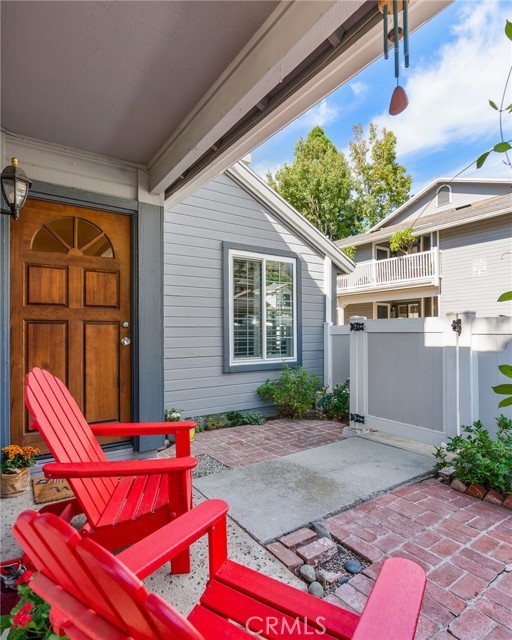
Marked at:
<point>14,484</point>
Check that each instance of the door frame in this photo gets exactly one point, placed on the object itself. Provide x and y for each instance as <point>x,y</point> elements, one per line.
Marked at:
<point>381,304</point>
<point>146,293</point>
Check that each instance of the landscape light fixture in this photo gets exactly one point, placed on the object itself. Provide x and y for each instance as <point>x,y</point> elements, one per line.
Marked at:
<point>393,8</point>
<point>15,186</point>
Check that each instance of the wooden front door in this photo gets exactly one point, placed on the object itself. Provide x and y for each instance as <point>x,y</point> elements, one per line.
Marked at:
<point>70,310</point>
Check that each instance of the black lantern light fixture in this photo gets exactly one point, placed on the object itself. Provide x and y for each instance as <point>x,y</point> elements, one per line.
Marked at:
<point>15,186</point>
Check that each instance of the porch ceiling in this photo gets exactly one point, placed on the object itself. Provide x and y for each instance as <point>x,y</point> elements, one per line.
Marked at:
<point>116,78</point>
<point>183,88</point>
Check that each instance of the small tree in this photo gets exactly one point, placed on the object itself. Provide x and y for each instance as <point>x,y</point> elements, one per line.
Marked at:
<point>403,240</point>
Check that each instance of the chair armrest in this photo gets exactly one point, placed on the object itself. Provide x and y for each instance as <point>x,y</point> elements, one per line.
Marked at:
<point>179,429</point>
<point>121,468</point>
<point>141,428</point>
<point>393,608</point>
<point>163,545</point>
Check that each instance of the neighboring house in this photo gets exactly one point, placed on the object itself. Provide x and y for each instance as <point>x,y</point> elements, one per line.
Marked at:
<point>461,263</point>
<point>248,286</point>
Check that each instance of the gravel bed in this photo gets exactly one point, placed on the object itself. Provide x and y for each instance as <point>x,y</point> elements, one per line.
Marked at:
<point>336,565</point>
<point>207,465</point>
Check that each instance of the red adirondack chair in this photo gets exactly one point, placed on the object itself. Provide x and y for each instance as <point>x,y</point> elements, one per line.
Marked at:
<point>95,595</point>
<point>123,501</point>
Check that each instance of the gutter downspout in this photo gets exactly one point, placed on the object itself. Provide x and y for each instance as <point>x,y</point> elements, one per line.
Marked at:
<point>328,323</point>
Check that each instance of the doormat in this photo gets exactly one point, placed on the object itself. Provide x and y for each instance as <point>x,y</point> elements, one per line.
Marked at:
<point>46,490</point>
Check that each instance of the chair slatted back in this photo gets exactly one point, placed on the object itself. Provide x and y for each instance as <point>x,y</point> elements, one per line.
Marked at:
<point>96,579</point>
<point>68,436</point>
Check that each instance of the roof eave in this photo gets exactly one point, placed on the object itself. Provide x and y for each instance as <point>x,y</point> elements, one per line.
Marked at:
<point>439,227</point>
<point>430,186</point>
<point>245,176</point>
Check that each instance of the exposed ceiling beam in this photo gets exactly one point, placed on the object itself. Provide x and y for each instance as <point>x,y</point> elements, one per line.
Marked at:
<point>292,32</point>
<point>328,67</point>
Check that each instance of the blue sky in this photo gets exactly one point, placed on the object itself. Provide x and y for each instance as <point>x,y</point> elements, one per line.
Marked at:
<point>458,61</point>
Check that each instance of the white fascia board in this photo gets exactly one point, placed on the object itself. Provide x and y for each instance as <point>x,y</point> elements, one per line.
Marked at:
<point>434,183</point>
<point>440,227</point>
<point>286,39</point>
<point>283,210</point>
<point>407,204</point>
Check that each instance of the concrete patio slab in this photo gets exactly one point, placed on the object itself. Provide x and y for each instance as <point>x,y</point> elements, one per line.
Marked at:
<point>182,591</point>
<point>272,498</point>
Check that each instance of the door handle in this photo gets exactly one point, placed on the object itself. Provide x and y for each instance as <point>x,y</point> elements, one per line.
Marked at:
<point>125,341</point>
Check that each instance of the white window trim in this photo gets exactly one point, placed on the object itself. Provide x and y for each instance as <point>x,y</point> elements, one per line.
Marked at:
<point>381,304</point>
<point>379,246</point>
<point>264,257</point>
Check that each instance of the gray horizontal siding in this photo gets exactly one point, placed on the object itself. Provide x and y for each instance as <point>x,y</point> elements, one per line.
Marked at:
<point>193,235</point>
<point>363,252</point>
<point>461,194</point>
<point>489,240</point>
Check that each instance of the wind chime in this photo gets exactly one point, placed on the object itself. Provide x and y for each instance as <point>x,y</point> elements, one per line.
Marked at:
<point>393,8</point>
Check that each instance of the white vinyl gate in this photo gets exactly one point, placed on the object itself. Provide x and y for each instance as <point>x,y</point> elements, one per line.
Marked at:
<point>420,378</point>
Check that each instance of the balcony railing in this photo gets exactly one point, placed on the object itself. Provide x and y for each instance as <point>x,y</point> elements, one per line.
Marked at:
<point>392,271</point>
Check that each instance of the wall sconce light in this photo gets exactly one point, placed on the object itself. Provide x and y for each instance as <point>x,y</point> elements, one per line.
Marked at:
<point>15,186</point>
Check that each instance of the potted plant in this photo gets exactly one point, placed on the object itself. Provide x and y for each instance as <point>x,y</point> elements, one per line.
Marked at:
<point>15,463</point>
<point>30,618</point>
<point>174,415</point>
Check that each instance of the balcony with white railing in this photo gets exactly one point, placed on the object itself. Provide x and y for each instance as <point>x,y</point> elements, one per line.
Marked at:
<point>409,270</point>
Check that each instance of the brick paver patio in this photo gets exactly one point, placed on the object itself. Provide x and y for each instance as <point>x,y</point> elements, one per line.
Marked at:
<point>464,545</point>
<point>238,446</point>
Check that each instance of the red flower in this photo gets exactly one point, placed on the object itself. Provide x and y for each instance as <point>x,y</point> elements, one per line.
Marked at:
<point>25,577</point>
<point>23,617</point>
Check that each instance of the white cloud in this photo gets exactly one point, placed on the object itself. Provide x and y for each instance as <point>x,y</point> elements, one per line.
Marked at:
<point>359,88</point>
<point>263,166</point>
<point>493,167</point>
<point>448,97</point>
<point>320,115</point>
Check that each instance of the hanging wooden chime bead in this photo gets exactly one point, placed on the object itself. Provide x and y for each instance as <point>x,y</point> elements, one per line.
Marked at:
<point>399,99</point>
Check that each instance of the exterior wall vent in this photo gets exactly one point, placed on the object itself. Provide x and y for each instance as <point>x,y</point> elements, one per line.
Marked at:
<point>444,195</point>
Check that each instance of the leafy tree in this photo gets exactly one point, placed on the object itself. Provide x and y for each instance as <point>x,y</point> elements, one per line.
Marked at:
<point>318,184</point>
<point>381,184</point>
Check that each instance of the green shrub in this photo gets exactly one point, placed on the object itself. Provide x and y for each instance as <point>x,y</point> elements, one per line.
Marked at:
<point>478,459</point>
<point>293,393</point>
<point>236,418</point>
<point>213,422</point>
<point>254,417</point>
<point>350,251</point>
<point>336,404</point>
